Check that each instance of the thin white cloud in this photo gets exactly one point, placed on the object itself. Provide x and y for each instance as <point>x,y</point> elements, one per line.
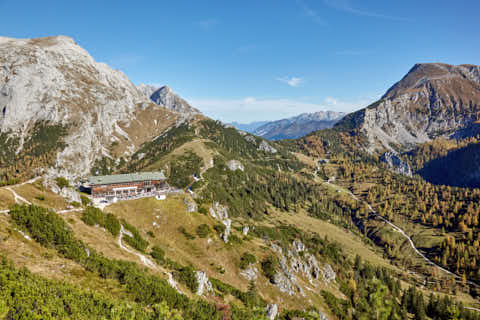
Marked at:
<point>207,24</point>
<point>291,81</point>
<point>344,5</point>
<point>311,13</point>
<point>251,109</point>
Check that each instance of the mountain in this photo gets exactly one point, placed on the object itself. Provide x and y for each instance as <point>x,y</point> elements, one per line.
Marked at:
<point>147,89</point>
<point>165,96</point>
<point>432,100</point>
<point>293,127</point>
<point>249,229</point>
<point>63,111</point>
<point>248,127</point>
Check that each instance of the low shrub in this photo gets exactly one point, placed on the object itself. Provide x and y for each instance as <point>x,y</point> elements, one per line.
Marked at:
<point>62,182</point>
<point>269,267</point>
<point>203,230</point>
<point>247,259</point>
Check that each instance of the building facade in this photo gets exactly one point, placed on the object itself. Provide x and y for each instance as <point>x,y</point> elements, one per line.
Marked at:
<point>127,186</point>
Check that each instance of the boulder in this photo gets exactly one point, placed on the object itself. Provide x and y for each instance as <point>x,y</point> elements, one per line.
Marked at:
<point>250,139</point>
<point>191,205</point>
<point>251,273</point>
<point>299,246</point>
<point>272,311</point>
<point>235,165</point>
<point>265,147</point>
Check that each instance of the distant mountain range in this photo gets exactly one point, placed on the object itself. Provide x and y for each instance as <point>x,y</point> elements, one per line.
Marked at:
<point>292,128</point>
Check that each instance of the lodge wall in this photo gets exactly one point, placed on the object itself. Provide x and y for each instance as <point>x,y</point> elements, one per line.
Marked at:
<point>141,186</point>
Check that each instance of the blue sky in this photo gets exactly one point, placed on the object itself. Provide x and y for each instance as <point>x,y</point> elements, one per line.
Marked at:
<point>258,60</point>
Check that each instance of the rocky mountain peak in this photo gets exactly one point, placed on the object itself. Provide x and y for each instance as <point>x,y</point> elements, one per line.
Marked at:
<point>438,74</point>
<point>431,100</point>
<point>54,81</point>
<point>166,97</point>
<point>146,89</point>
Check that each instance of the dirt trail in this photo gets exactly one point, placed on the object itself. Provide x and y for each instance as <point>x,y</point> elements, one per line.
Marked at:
<point>149,263</point>
<point>406,236</point>
<point>18,199</point>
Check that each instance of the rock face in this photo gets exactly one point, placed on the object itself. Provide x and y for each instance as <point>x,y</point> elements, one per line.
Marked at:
<point>264,146</point>
<point>295,127</point>
<point>432,100</point>
<point>204,284</point>
<point>298,262</point>
<point>219,212</point>
<point>146,89</point>
<point>53,80</point>
<point>328,274</point>
<point>396,164</point>
<point>164,96</point>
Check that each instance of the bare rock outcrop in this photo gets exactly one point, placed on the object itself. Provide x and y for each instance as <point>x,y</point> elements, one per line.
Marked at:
<point>219,212</point>
<point>272,311</point>
<point>204,284</point>
<point>396,164</point>
<point>328,274</point>
<point>165,96</point>
<point>235,165</point>
<point>265,147</point>
<point>285,279</point>
<point>250,273</point>
<point>432,100</point>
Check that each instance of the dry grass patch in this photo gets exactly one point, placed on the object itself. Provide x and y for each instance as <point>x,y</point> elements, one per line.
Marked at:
<point>350,243</point>
<point>47,263</point>
<point>197,146</point>
<point>99,239</point>
<point>38,195</point>
<point>6,199</point>
<point>309,161</point>
<point>218,259</point>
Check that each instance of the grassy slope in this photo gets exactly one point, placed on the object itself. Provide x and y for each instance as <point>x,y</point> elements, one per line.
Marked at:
<point>37,194</point>
<point>211,257</point>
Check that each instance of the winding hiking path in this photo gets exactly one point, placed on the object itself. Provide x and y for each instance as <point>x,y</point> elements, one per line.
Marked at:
<point>18,199</point>
<point>406,236</point>
<point>149,263</point>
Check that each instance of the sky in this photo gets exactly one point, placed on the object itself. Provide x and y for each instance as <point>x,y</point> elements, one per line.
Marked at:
<point>256,60</point>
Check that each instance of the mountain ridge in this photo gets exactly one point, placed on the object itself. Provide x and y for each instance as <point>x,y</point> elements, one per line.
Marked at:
<point>432,100</point>
<point>293,127</point>
<point>52,81</point>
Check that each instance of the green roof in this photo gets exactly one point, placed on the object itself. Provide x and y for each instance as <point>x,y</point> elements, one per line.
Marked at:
<point>123,178</point>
